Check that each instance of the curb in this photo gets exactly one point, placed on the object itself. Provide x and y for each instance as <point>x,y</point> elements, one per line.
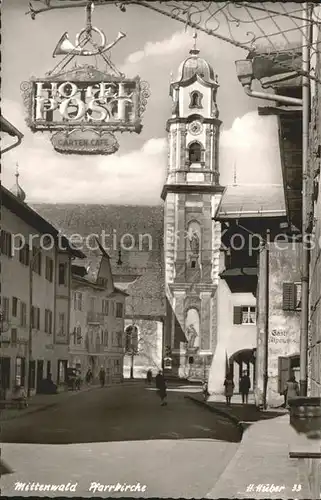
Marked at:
<point>234,420</point>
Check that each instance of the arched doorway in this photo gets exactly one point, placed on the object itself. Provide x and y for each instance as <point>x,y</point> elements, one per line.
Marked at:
<point>240,362</point>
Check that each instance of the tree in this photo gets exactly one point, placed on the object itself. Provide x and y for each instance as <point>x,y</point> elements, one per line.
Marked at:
<point>140,345</point>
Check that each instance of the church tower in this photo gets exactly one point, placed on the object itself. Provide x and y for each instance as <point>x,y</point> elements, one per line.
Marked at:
<point>192,239</point>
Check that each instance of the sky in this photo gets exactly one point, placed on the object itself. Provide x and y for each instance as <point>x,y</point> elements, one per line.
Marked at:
<point>153,48</point>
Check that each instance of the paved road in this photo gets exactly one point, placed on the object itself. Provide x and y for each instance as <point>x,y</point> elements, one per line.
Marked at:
<point>123,435</point>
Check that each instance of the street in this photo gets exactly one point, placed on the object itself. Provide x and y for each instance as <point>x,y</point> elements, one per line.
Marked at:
<point>120,434</point>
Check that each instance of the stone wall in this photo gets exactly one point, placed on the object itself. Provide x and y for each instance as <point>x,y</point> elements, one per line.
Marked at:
<point>284,325</point>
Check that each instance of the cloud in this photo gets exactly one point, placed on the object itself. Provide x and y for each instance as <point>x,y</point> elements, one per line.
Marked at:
<point>251,149</point>
<point>178,41</point>
<point>47,176</point>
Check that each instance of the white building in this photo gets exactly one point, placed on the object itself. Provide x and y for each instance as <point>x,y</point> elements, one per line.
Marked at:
<point>39,298</point>
<point>97,321</point>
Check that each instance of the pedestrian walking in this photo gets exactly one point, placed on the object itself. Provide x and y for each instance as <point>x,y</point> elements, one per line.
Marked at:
<point>291,390</point>
<point>149,376</point>
<point>102,376</point>
<point>245,385</point>
<point>229,388</point>
<point>89,376</point>
<point>205,390</point>
<point>161,387</point>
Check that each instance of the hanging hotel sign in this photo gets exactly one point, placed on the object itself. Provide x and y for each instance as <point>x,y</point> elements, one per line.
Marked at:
<point>84,104</point>
<point>85,98</point>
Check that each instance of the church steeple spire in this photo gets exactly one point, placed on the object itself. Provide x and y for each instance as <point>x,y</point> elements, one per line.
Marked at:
<point>194,50</point>
<point>17,189</point>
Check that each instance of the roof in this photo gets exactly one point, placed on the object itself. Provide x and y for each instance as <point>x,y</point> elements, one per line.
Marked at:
<point>251,200</point>
<point>33,219</point>
<point>194,65</point>
<point>141,271</point>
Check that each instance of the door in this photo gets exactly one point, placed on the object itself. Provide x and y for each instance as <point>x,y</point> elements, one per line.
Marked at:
<point>32,374</point>
<point>4,375</point>
<point>39,373</point>
<point>283,372</point>
<point>48,371</point>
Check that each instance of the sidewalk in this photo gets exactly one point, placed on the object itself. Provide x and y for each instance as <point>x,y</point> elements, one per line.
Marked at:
<point>261,463</point>
<point>41,402</point>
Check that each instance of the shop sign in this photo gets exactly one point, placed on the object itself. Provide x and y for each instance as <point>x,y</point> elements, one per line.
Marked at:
<point>85,98</point>
<point>89,142</point>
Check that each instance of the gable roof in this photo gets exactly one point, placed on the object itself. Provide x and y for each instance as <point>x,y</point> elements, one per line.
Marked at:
<point>33,219</point>
<point>251,201</point>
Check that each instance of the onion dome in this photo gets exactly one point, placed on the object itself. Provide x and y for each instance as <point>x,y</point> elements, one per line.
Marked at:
<point>17,190</point>
<point>195,65</point>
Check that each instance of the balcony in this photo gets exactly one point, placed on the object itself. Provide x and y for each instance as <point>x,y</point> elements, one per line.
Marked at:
<point>93,347</point>
<point>95,318</point>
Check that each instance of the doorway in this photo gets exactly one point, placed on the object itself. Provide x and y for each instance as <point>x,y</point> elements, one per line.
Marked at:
<point>39,373</point>
<point>240,362</point>
<point>4,376</point>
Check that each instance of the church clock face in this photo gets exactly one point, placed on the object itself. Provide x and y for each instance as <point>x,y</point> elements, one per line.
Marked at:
<point>195,127</point>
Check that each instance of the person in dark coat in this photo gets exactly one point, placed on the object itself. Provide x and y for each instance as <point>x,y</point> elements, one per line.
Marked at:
<point>102,376</point>
<point>245,385</point>
<point>161,386</point>
<point>229,388</point>
<point>89,376</point>
<point>149,376</point>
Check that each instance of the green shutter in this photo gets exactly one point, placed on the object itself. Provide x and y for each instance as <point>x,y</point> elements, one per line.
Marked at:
<point>237,315</point>
<point>289,296</point>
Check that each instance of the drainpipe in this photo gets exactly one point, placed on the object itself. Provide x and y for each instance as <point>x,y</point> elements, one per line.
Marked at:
<point>273,97</point>
<point>266,318</point>
<point>305,201</point>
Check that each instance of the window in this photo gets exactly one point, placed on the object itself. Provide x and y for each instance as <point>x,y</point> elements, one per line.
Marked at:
<point>35,317</point>
<point>48,321</point>
<point>92,304</point>
<point>119,339</point>
<point>78,336</point>
<point>49,269</point>
<point>195,153</point>
<point>119,310</point>
<point>105,307</point>
<point>105,338</point>
<point>37,259</point>
<point>61,324</point>
<point>292,296</point>
<point>193,264</point>
<point>13,336</point>
<point>18,374</point>
<point>102,282</point>
<point>6,243</point>
<point>62,277</point>
<point>5,308</point>
<point>244,315</point>
<point>24,254</point>
<point>23,314</point>
<point>14,306</point>
<point>77,301</point>
<point>196,100</point>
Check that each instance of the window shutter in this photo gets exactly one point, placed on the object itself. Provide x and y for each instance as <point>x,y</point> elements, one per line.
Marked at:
<point>289,296</point>
<point>283,372</point>
<point>237,315</point>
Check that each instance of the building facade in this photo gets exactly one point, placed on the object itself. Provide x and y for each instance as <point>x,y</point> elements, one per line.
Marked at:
<point>97,322</point>
<point>247,214</point>
<point>191,239</point>
<point>35,289</point>
<point>314,381</point>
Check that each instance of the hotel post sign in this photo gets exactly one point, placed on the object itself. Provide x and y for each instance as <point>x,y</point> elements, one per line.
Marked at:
<point>83,107</point>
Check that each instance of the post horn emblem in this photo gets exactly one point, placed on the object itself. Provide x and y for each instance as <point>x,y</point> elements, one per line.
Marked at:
<point>65,46</point>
